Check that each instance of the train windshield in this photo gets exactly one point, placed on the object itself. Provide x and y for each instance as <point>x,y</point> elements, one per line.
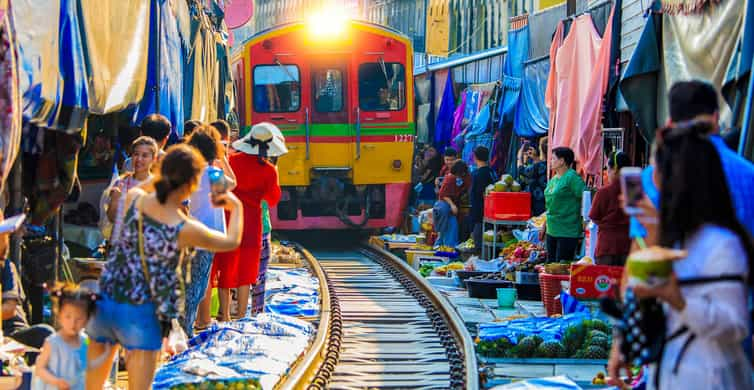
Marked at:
<point>382,86</point>
<point>328,90</point>
<point>277,88</point>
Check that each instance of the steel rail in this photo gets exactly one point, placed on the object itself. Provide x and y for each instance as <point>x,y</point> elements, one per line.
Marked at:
<point>385,328</point>
<point>305,369</point>
<point>454,322</point>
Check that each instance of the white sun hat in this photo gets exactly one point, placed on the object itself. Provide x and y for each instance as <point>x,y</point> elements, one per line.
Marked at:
<point>264,133</point>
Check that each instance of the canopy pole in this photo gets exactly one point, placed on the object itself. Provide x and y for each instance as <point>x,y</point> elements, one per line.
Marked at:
<point>158,56</point>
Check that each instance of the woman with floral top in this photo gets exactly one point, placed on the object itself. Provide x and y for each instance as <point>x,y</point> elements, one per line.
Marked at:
<point>142,284</point>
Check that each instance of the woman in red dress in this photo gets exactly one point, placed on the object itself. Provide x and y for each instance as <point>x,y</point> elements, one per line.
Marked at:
<point>257,180</point>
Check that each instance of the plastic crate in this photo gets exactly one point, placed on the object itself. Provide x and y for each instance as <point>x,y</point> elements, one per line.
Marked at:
<point>508,206</point>
<point>528,292</point>
<point>551,287</point>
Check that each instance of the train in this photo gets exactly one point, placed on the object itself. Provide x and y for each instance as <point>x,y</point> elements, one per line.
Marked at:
<point>341,91</point>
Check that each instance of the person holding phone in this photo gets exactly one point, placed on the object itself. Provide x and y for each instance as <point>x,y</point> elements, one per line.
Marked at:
<point>257,180</point>
<point>706,320</point>
<point>613,242</point>
<point>563,194</point>
<point>213,180</point>
<point>141,286</point>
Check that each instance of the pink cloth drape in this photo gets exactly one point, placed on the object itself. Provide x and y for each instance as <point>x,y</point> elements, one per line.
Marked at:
<point>580,66</point>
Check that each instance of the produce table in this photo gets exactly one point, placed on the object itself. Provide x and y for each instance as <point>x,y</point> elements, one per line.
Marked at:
<point>489,249</point>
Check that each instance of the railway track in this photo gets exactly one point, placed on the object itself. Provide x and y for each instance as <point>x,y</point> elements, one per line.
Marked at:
<point>385,328</point>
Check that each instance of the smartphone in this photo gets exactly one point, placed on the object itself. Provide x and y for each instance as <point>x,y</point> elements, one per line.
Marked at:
<point>633,191</point>
<point>11,224</point>
<point>217,182</point>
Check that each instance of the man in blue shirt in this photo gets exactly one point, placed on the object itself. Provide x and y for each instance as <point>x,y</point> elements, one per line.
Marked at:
<point>697,100</point>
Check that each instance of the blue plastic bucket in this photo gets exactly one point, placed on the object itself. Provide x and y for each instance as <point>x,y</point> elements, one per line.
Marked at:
<point>506,297</point>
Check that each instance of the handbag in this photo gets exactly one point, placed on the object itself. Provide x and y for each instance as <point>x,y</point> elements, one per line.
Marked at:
<point>168,330</point>
<point>642,325</point>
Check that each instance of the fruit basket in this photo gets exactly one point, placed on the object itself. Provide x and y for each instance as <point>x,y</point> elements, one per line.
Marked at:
<point>551,287</point>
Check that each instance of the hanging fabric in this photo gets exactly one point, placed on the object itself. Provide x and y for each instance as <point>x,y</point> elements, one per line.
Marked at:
<point>444,121</point>
<point>663,57</point>
<point>590,136</point>
<point>51,176</point>
<point>458,125</point>
<point>472,105</point>
<point>39,48</point>
<point>513,71</point>
<point>686,7</point>
<point>74,107</point>
<point>201,77</point>
<point>578,93</point>
<point>170,69</point>
<point>532,116</point>
<point>551,100</point>
<point>577,54</point>
<point>641,79</point>
<point>116,52</point>
<point>738,73</point>
<point>10,100</point>
<point>479,134</point>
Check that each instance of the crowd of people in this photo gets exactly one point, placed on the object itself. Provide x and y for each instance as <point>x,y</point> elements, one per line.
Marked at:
<point>193,216</point>
<point>181,220</point>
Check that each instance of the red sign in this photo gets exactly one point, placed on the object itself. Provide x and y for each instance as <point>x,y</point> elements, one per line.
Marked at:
<point>594,281</point>
<point>238,12</point>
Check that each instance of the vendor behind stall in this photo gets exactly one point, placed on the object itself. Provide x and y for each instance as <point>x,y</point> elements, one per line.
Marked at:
<point>446,209</point>
<point>613,242</point>
<point>15,325</point>
<point>563,195</point>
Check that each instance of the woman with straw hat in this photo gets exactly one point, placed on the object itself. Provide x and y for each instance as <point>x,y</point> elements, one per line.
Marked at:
<point>257,181</point>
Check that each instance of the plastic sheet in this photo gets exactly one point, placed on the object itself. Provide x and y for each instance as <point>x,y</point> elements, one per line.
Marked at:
<point>556,382</point>
<point>545,327</point>
<point>292,292</point>
<point>261,348</point>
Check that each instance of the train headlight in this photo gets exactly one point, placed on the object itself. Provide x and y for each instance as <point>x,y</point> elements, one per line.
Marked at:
<point>397,164</point>
<point>330,23</point>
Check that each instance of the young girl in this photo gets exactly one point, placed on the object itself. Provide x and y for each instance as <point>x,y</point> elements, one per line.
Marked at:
<point>62,362</point>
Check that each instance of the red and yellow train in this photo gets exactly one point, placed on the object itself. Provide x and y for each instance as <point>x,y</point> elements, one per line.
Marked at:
<point>342,94</point>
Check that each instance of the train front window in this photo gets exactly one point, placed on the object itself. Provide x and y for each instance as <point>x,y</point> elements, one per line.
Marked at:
<point>328,90</point>
<point>382,86</point>
<point>277,88</point>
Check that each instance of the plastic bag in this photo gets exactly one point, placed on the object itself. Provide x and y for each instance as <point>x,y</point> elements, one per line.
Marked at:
<point>177,339</point>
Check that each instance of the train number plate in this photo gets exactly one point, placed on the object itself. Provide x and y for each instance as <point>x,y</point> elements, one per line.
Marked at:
<point>404,138</point>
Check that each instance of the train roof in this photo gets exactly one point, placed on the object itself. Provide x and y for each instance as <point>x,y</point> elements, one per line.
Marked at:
<point>388,30</point>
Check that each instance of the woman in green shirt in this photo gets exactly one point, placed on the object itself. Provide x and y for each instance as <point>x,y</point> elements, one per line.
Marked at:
<point>563,194</point>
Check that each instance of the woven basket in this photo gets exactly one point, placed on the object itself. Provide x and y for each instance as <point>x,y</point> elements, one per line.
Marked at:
<point>551,287</point>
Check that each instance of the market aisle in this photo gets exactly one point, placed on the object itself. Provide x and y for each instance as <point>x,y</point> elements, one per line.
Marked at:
<point>388,340</point>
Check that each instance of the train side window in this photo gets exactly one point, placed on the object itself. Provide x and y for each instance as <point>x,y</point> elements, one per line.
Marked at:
<point>382,86</point>
<point>328,90</point>
<point>277,88</point>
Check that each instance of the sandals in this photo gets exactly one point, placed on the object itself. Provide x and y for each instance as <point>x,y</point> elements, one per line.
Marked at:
<point>202,327</point>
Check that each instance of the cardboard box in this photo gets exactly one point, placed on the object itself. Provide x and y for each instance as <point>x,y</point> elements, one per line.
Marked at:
<point>594,281</point>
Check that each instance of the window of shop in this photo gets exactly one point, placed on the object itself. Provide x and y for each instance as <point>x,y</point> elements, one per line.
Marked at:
<point>277,88</point>
<point>382,86</point>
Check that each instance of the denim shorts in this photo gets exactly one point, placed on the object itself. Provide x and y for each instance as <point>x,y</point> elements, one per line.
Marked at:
<point>131,326</point>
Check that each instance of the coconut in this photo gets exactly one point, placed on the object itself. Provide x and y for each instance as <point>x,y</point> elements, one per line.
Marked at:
<point>507,179</point>
<point>516,187</point>
<point>652,265</point>
<point>501,186</point>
